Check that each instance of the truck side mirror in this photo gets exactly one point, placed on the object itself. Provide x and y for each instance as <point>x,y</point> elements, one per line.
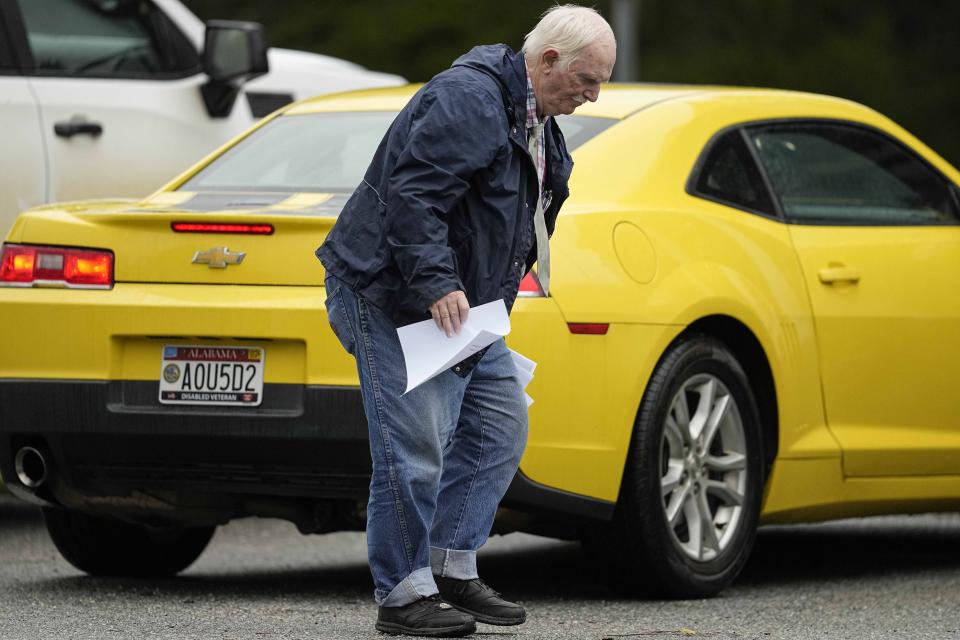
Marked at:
<point>234,52</point>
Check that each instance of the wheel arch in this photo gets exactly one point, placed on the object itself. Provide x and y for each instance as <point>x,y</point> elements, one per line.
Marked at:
<point>668,575</point>
<point>749,352</point>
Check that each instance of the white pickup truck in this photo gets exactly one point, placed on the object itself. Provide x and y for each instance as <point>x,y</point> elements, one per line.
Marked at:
<point>103,98</point>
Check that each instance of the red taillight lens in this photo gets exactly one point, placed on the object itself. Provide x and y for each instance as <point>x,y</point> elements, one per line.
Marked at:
<point>217,227</point>
<point>28,265</point>
<point>87,267</point>
<point>17,263</point>
<point>530,286</point>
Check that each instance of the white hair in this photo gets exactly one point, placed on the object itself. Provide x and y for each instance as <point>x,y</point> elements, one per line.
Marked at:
<point>569,29</point>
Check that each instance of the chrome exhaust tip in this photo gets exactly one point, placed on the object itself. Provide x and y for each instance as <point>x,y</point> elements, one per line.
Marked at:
<point>31,467</point>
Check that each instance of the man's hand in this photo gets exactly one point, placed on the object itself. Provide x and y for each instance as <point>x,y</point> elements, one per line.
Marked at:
<point>450,312</point>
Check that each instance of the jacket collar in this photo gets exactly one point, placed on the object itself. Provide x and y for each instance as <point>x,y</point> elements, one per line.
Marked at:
<point>515,78</point>
<point>507,68</point>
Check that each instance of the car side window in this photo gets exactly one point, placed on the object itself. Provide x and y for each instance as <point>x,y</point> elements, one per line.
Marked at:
<point>837,174</point>
<point>105,38</point>
<point>729,175</point>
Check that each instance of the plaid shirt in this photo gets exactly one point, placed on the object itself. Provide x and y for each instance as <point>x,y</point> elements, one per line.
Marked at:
<point>532,121</point>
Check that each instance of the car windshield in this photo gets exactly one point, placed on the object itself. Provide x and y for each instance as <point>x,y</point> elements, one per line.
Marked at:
<point>323,152</point>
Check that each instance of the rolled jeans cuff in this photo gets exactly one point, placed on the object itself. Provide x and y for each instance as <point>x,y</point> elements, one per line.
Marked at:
<point>418,584</point>
<point>453,563</point>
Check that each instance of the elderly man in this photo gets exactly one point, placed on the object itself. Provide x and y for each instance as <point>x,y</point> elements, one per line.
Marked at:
<point>457,204</point>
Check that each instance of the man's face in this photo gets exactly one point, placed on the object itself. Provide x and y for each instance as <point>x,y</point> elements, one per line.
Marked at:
<point>561,90</point>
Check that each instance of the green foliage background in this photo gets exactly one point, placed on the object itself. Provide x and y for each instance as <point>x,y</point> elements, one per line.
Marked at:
<point>897,56</point>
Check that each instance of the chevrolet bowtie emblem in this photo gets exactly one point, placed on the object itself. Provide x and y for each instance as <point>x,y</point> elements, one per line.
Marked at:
<point>218,257</point>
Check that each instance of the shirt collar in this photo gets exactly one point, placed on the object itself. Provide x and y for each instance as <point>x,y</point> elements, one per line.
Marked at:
<point>532,118</point>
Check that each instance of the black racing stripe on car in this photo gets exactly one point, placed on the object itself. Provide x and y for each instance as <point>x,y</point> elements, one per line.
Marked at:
<point>221,201</point>
<point>248,204</point>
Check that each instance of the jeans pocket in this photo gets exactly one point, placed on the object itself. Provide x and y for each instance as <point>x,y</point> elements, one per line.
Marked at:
<point>337,315</point>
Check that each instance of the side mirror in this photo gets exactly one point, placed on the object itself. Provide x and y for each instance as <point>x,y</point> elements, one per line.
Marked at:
<point>234,52</point>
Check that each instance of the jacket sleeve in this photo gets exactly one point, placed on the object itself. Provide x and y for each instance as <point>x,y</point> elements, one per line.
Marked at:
<point>454,133</point>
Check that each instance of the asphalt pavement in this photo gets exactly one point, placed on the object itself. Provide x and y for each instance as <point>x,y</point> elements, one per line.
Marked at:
<point>892,577</point>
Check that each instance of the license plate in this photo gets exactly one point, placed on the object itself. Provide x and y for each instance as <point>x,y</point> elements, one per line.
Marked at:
<point>207,375</point>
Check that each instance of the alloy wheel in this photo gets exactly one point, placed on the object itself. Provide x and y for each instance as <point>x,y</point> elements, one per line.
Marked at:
<point>703,467</point>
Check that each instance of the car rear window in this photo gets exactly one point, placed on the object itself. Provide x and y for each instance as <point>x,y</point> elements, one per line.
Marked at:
<point>324,152</point>
<point>728,175</point>
<point>578,129</point>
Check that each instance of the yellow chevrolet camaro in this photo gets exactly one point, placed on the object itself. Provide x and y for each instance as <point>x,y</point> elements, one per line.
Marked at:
<point>754,318</point>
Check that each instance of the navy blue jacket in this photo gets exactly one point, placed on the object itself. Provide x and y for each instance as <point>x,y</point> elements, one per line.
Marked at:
<point>447,202</point>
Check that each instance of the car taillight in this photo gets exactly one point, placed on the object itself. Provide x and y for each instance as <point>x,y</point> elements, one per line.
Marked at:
<point>530,286</point>
<point>34,266</point>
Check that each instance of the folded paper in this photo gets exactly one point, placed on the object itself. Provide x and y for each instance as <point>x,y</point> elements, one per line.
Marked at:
<point>427,351</point>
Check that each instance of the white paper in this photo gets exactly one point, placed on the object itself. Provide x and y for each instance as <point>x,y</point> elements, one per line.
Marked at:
<point>525,367</point>
<point>427,351</point>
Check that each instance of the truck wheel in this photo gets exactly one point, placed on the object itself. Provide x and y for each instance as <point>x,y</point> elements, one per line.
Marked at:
<point>104,547</point>
<point>690,497</point>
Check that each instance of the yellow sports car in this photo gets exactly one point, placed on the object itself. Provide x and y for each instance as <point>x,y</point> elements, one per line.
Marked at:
<point>754,317</point>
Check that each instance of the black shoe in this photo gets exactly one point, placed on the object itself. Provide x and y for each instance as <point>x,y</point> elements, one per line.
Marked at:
<point>429,616</point>
<point>480,601</point>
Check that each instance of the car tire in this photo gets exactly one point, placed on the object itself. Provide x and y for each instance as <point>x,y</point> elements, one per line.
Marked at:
<point>104,547</point>
<point>687,514</point>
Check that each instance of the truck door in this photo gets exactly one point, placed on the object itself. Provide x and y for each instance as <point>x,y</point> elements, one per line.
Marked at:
<point>22,181</point>
<point>119,92</point>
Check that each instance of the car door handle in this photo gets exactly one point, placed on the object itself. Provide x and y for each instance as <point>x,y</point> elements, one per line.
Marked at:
<point>836,272</point>
<point>77,127</point>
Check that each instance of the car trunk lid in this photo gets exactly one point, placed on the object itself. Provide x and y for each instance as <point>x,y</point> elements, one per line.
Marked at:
<point>202,238</point>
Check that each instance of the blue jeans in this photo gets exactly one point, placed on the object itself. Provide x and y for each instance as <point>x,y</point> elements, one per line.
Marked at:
<point>443,454</point>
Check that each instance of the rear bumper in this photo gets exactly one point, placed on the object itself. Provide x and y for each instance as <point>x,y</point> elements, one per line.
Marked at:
<point>110,438</point>
<point>108,443</point>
